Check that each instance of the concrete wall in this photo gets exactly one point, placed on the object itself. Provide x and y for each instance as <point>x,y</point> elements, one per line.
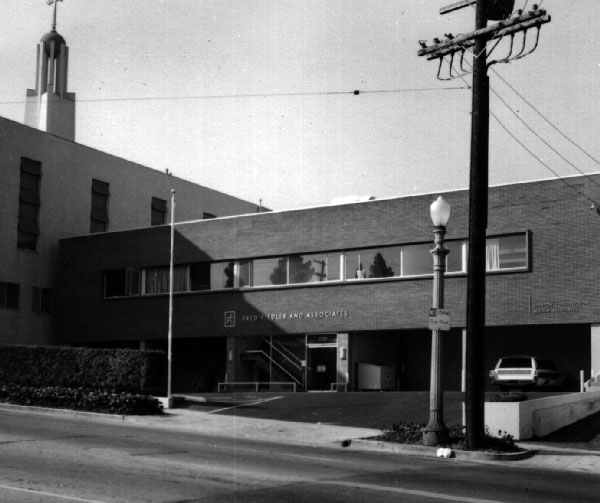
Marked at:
<point>67,172</point>
<point>537,418</point>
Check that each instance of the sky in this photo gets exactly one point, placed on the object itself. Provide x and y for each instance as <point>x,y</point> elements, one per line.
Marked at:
<point>255,98</point>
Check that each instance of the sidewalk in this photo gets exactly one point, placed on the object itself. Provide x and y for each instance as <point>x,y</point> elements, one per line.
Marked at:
<point>326,435</point>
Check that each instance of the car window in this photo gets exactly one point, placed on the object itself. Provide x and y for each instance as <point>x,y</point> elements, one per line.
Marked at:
<point>515,362</point>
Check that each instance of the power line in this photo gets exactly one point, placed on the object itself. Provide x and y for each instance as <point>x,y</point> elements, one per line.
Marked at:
<point>541,161</point>
<point>539,137</point>
<point>355,92</point>
<point>546,119</point>
<point>529,151</point>
<point>534,132</point>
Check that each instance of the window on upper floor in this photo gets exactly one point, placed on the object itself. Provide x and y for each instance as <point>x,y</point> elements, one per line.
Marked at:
<point>158,210</point>
<point>9,295</point>
<point>29,204</point>
<point>41,300</point>
<point>504,253</point>
<point>507,252</point>
<point>122,282</point>
<point>157,279</point>
<point>99,213</point>
<point>222,275</point>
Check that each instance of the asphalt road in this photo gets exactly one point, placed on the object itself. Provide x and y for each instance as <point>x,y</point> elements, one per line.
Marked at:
<point>58,459</point>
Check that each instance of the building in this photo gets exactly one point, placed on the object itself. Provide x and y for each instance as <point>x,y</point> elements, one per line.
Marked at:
<point>338,296</point>
<point>54,188</point>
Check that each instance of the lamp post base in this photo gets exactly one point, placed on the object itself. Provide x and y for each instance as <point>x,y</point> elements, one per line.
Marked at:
<point>435,435</point>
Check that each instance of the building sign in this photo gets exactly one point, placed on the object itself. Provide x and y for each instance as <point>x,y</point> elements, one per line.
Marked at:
<point>568,306</point>
<point>322,339</point>
<point>229,319</point>
<point>439,319</point>
<point>287,316</point>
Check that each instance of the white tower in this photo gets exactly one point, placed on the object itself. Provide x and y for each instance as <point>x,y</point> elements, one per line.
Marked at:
<point>49,106</point>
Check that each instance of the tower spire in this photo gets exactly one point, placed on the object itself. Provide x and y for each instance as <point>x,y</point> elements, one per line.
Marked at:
<point>50,107</point>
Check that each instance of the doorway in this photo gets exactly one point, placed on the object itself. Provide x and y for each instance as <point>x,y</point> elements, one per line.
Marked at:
<point>322,367</point>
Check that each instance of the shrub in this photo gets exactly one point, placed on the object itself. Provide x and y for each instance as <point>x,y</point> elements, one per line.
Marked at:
<point>129,370</point>
<point>81,399</point>
<point>411,433</point>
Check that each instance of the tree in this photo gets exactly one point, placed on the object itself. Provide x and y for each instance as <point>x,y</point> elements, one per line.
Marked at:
<point>379,268</point>
<point>300,271</point>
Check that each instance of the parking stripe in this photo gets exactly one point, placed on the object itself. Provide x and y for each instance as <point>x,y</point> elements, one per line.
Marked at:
<point>47,494</point>
<point>411,492</point>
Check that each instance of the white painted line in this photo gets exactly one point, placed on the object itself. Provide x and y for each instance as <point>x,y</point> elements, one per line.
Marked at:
<point>52,495</point>
<point>412,492</point>
<point>257,402</point>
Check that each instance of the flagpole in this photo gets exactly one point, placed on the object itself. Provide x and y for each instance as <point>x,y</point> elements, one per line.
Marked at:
<point>170,333</point>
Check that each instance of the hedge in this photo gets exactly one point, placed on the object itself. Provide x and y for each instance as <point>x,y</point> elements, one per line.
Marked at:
<point>126,370</point>
<point>80,399</point>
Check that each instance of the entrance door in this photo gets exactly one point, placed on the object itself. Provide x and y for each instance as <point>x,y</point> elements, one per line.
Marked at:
<point>322,367</point>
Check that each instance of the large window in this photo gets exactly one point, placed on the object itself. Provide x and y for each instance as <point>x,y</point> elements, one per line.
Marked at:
<point>9,295</point>
<point>221,275</point>
<point>157,279</point>
<point>200,276</point>
<point>373,263</point>
<point>158,211</point>
<point>29,204</point>
<point>99,214</point>
<point>122,282</point>
<point>506,252</point>
<point>269,271</point>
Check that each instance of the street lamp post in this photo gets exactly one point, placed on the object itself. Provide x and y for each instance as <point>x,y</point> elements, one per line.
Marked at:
<point>436,433</point>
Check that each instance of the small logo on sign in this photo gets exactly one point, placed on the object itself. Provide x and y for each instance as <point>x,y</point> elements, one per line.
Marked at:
<point>229,319</point>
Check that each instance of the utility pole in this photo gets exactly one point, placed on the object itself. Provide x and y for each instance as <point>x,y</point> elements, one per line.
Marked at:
<point>509,25</point>
<point>478,208</point>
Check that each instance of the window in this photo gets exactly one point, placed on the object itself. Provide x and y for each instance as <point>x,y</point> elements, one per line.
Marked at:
<point>41,300</point>
<point>269,271</point>
<point>221,275</point>
<point>29,204</point>
<point>373,263</point>
<point>157,279</point>
<point>9,295</point>
<point>122,282</point>
<point>244,274</point>
<point>200,276</point>
<point>99,216</point>
<point>506,252</point>
<point>456,260</point>
<point>416,260</point>
<point>158,214</point>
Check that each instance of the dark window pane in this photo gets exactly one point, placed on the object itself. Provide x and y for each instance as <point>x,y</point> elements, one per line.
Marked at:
<point>114,283</point>
<point>200,276</point>
<point>454,259</point>
<point>158,214</point>
<point>12,296</point>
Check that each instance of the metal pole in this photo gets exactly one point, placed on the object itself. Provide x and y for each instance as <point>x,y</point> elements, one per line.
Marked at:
<point>170,334</point>
<point>436,433</point>
<point>478,202</point>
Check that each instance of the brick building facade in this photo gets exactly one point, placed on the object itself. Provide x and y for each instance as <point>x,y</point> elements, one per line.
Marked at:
<point>339,295</point>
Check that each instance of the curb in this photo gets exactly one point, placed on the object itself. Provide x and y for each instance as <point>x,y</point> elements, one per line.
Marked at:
<point>422,450</point>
